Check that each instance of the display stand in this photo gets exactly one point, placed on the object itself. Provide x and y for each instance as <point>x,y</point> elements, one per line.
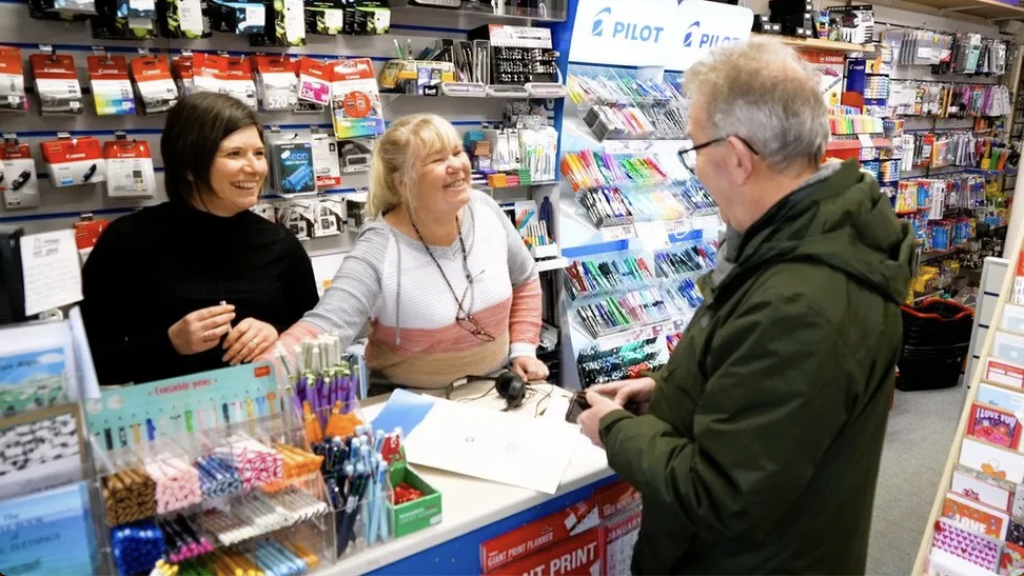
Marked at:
<point>984,465</point>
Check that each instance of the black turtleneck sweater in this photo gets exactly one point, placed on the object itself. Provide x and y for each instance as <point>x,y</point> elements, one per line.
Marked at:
<point>151,268</point>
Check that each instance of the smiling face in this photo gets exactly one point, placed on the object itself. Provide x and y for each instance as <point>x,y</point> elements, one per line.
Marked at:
<point>237,173</point>
<point>442,180</point>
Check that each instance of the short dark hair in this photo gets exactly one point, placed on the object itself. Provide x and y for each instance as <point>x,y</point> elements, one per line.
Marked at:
<point>193,132</point>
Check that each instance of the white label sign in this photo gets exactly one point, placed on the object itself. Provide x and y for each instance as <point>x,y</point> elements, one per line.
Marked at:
<point>705,26</point>
<point>669,33</point>
<point>621,32</point>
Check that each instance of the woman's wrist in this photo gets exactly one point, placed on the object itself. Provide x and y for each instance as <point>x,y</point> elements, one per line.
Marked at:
<point>517,349</point>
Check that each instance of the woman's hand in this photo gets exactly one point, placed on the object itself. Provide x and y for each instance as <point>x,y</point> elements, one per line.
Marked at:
<point>200,331</point>
<point>248,340</point>
<point>529,368</point>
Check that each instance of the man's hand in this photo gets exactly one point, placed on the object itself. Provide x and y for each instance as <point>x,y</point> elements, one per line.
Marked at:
<point>248,340</point>
<point>529,368</point>
<point>590,419</point>
<point>624,391</point>
<point>200,331</point>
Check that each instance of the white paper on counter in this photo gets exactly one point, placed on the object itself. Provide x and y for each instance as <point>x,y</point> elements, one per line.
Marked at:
<point>497,446</point>
<point>52,274</point>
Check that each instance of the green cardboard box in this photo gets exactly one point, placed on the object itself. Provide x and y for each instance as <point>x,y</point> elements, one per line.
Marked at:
<point>418,514</point>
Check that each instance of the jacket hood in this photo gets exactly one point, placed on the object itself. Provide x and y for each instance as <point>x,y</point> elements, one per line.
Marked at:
<point>840,219</point>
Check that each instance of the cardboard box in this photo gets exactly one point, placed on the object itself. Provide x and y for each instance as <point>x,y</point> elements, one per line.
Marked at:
<point>420,513</point>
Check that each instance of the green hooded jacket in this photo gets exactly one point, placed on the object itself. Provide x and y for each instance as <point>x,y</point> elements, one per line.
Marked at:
<point>761,449</point>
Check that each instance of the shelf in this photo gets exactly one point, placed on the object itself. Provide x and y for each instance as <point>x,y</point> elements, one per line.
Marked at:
<point>817,44</point>
<point>476,10</point>
<point>982,8</point>
<point>552,264</point>
<point>928,256</point>
<point>836,145</point>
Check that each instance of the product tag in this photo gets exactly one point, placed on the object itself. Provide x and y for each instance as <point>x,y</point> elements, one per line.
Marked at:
<point>653,235</point>
<point>618,232</point>
<point>865,141</point>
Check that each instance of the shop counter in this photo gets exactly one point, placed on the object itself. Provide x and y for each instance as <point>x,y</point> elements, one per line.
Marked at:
<point>473,510</point>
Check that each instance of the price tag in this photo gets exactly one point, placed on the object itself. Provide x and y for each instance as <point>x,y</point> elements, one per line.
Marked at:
<point>708,225</point>
<point>678,227</point>
<point>618,232</point>
<point>628,146</point>
<point>865,141</point>
<point>653,234</point>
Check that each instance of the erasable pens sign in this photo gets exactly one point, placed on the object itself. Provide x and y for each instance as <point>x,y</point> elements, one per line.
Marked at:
<point>668,33</point>
<point>135,415</point>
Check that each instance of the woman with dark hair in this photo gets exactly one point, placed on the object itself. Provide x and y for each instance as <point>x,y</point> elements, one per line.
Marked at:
<point>198,282</point>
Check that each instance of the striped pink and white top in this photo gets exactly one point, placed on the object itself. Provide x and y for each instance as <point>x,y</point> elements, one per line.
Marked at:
<point>414,340</point>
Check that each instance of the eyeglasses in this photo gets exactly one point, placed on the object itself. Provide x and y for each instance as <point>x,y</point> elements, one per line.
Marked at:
<point>688,154</point>
<point>467,322</point>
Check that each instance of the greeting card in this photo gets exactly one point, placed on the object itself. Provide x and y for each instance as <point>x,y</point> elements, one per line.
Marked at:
<point>975,516</point>
<point>994,425</point>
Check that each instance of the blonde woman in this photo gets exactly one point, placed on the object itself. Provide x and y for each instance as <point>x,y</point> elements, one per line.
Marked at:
<point>439,271</point>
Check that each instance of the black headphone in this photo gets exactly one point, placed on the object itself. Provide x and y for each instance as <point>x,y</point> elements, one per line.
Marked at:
<point>508,384</point>
<point>510,387</point>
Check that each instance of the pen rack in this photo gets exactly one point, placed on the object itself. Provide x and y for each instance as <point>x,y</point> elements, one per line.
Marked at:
<point>244,493</point>
<point>632,360</point>
<point>622,105</point>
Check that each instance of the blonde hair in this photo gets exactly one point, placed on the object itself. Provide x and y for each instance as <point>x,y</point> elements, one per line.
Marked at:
<point>408,139</point>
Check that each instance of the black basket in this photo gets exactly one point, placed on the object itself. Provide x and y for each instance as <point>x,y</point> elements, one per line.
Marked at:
<point>936,336</point>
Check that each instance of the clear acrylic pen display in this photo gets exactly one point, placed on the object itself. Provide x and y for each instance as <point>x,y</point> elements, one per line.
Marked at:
<point>234,485</point>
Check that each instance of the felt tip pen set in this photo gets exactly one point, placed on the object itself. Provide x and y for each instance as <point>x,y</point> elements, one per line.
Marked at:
<point>588,169</point>
<point>633,360</point>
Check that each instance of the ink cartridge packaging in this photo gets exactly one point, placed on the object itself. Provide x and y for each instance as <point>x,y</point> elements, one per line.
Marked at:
<point>74,161</point>
<point>184,19</point>
<point>12,81</point>
<point>111,87</point>
<point>18,182</point>
<point>277,82</point>
<point>130,171</point>
<point>57,83</point>
<point>156,90</point>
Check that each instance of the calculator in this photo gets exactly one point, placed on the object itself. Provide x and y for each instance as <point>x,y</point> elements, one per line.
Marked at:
<point>438,3</point>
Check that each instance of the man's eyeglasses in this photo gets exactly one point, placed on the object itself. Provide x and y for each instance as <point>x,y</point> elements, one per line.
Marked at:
<point>688,154</point>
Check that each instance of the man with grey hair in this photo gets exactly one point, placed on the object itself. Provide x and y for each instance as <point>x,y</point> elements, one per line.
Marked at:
<point>756,449</point>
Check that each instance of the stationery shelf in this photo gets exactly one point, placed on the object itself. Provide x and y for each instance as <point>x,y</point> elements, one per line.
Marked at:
<point>855,144</point>
<point>981,8</point>
<point>826,45</point>
<point>512,14</point>
<point>552,264</point>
